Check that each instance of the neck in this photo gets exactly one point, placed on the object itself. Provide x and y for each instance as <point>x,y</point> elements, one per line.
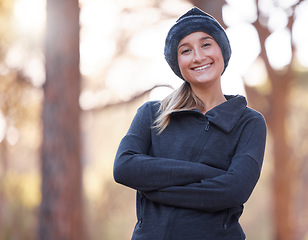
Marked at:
<point>211,97</point>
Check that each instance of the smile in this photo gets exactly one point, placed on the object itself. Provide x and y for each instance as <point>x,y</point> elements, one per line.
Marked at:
<point>202,67</point>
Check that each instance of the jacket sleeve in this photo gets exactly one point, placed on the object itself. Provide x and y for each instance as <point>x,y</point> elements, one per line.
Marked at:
<point>228,190</point>
<point>133,167</point>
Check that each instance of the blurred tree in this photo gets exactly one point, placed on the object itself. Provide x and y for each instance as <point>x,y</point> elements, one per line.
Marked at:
<point>61,211</point>
<point>6,9</point>
<point>276,116</point>
<point>19,112</point>
<point>274,105</point>
<point>212,7</point>
<point>14,111</point>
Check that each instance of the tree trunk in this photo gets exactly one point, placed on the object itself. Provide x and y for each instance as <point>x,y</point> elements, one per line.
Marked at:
<point>283,175</point>
<point>213,7</point>
<point>276,117</point>
<point>284,168</point>
<point>61,209</point>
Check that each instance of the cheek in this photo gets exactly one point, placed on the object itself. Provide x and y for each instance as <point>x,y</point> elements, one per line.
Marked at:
<point>182,66</point>
<point>183,62</point>
<point>222,63</point>
<point>220,58</point>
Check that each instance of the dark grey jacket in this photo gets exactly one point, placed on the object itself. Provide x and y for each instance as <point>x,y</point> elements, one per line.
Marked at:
<point>193,179</point>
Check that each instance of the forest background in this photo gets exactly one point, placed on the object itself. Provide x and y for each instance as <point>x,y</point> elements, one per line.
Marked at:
<point>72,75</point>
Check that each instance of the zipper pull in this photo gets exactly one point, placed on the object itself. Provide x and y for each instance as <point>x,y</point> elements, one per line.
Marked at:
<point>207,127</point>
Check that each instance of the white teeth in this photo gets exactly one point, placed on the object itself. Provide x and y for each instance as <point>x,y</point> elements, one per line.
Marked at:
<point>203,67</point>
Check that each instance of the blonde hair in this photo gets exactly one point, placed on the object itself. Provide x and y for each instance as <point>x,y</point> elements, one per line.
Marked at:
<point>181,99</point>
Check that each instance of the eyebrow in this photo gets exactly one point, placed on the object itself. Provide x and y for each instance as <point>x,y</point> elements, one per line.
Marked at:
<point>201,39</point>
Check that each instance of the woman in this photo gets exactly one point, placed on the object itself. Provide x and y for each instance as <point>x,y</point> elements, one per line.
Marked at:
<point>194,157</point>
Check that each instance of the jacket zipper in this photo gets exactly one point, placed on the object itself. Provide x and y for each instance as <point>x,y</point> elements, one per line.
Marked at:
<point>200,144</point>
<point>141,210</point>
<point>225,226</point>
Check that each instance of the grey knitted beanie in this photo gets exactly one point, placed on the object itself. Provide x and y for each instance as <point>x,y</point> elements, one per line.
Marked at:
<point>195,20</point>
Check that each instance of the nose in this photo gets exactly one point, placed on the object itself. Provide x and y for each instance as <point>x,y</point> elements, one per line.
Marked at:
<point>198,56</point>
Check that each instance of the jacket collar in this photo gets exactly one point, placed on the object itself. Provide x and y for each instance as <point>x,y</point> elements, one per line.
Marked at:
<point>227,114</point>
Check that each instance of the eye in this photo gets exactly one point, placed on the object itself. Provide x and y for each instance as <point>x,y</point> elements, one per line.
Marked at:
<point>184,51</point>
<point>206,45</point>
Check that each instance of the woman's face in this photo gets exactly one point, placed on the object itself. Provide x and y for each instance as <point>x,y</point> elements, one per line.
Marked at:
<point>200,59</point>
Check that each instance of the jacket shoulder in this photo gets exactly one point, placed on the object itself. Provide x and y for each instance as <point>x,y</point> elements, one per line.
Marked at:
<point>252,114</point>
<point>150,107</point>
<point>147,112</point>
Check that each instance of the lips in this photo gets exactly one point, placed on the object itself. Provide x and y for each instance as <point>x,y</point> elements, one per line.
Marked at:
<point>200,68</point>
